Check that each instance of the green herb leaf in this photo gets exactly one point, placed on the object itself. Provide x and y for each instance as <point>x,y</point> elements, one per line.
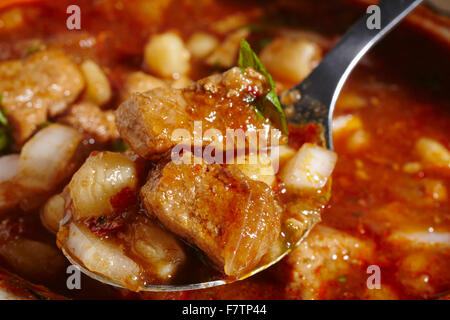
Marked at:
<point>35,47</point>
<point>44,124</point>
<point>4,139</point>
<point>3,119</point>
<point>120,146</point>
<point>268,106</point>
<point>264,42</point>
<point>342,279</point>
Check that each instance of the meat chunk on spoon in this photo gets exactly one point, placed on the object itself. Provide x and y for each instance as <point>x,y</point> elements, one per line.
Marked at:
<point>233,219</point>
<point>43,84</point>
<point>147,121</point>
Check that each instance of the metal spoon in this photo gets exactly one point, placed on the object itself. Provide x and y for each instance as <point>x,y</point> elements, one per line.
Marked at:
<point>319,92</point>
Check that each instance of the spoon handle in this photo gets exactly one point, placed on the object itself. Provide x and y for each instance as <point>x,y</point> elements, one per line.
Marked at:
<point>322,87</point>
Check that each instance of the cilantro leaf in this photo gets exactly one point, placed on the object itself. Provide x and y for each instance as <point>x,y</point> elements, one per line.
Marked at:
<point>120,146</point>
<point>4,140</point>
<point>342,279</point>
<point>44,124</point>
<point>33,48</point>
<point>267,106</point>
<point>3,119</point>
<point>4,136</point>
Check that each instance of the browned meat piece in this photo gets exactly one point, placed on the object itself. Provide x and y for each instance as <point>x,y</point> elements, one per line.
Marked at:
<point>328,256</point>
<point>147,121</point>
<point>89,119</point>
<point>45,83</point>
<point>233,219</point>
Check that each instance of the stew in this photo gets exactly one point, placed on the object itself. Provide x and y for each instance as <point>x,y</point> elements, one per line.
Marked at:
<point>87,168</point>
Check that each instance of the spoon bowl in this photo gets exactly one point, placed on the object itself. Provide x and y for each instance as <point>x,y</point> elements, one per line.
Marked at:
<point>188,286</point>
<point>314,101</point>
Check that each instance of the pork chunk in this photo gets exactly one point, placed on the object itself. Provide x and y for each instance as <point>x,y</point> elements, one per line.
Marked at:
<point>43,84</point>
<point>233,219</point>
<point>328,258</point>
<point>92,121</point>
<point>148,120</point>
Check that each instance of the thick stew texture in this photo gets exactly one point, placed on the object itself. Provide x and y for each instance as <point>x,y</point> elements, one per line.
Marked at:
<point>115,153</point>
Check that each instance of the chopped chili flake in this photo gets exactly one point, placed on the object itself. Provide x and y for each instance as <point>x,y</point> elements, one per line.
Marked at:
<point>123,199</point>
<point>103,225</point>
